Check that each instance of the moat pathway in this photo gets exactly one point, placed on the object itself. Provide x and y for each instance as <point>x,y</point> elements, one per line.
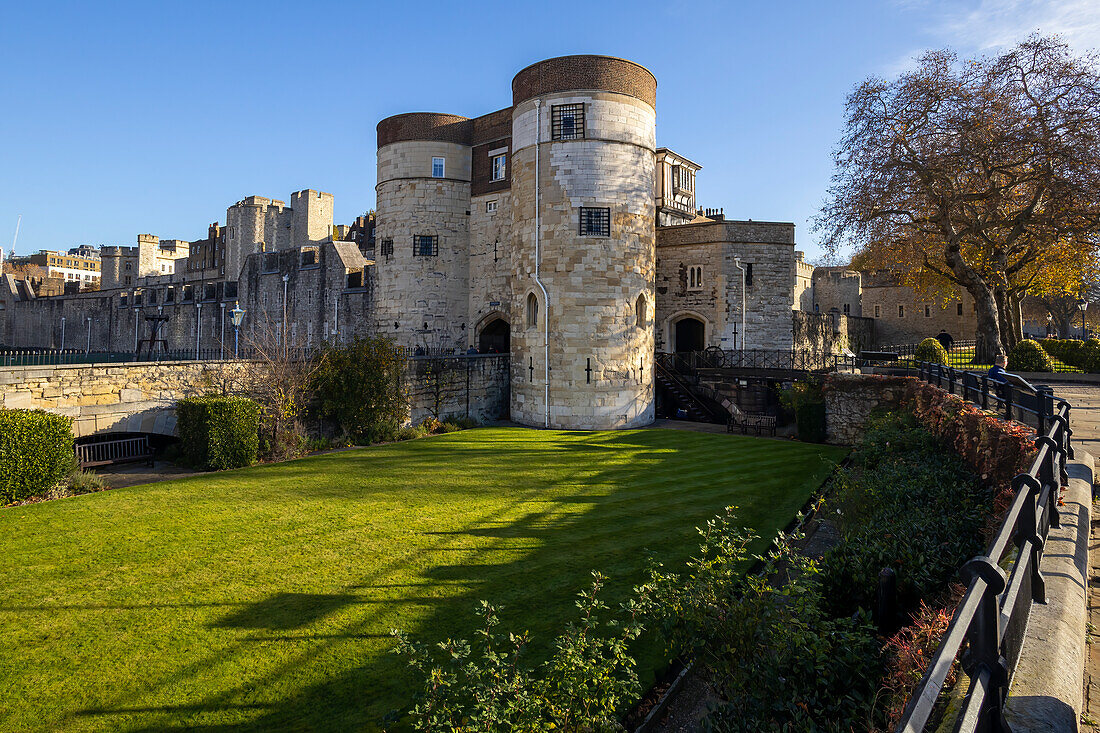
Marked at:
<point>1085,423</point>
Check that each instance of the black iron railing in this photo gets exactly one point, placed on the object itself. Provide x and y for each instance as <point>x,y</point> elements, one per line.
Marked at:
<point>986,632</point>
<point>765,360</point>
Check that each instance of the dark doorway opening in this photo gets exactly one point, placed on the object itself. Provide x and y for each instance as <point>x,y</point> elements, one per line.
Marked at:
<point>689,335</point>
<point>495,338</point>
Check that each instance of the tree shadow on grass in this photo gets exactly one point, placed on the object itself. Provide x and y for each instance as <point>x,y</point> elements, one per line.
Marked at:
<point>645,505</point>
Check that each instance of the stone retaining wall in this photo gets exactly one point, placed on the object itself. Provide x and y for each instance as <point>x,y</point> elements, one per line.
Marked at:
<point>456,387</point>
<point>850,399</point>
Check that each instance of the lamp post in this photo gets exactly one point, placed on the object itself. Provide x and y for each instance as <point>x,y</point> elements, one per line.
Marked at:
<point>237,314</point>
<point>221,338</point>
<point>88,345</point>
<point>1083,305</point>
<point>62,334</point>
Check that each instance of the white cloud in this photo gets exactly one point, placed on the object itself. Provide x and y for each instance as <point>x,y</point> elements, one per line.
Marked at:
<point>990,25</point>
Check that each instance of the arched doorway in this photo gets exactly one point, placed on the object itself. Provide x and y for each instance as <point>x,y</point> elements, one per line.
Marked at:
<point>495,338</point>
<point>689,335</point>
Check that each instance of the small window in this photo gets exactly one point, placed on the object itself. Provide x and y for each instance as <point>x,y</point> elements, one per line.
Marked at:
<point>595,222</point>
<point>188,294</point>
<point>567,122</point>
<point>387,247</point>
<point>425,245</point>
<point>683,179</point>
<point>209,291</point>
<point>170,295</point>
<point>490,207</point>
<point>309,257</point>
<point>129,266</point>
<point>959,308</point>
<point>901,311</point>
<point>439,167</point>
<point>748,274</point>
<point>695,277</point>
<point>123,300</point>
<point>640,319</point>
<point>847,309</point>
<point>229,290</point>
<point>355,279</point>
<point>137,297</point>
<point>152,297</point>
<point>500,167</point>
<point>877,312</point>
<point>532,310</point>
<point>927,311</point>
<point>129,280</point>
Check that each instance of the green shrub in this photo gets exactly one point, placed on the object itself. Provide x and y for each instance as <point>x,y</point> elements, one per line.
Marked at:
<point>808,402</point>
<point>36,452</point>
<point>359,386</point>
<point>467,423</point>
<point>906,503</point>
<point>218,432</point>
<point>430,425</point>
<point>449,427</point>
<point>409,433</point>
<point>85,482</point>
<point>1028,356</point>
<point>1084,355</point>
<point>931,350</point>
<point>768,647</point>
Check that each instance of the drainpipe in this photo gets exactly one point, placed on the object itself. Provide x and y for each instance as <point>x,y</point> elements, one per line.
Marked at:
<point>538,260</point>
<point>336,319</point>
<point>737,264</point>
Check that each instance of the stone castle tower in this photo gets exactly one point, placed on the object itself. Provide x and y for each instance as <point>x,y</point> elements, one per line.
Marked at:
<point>583,221</point>
<point>535,224</point>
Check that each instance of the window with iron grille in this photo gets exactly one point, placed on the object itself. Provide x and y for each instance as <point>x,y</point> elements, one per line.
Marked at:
<point>387,246</point>
<point>425,245</point>
<point>566,121</point>
<point>595,222</point>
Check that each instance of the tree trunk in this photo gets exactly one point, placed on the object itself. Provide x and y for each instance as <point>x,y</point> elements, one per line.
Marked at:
<point>1009,336</point>
<point>1016,316</point>
<point>987,334</point>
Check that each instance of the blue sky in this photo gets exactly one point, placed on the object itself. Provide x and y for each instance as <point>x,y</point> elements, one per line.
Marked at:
<point>120,118</point>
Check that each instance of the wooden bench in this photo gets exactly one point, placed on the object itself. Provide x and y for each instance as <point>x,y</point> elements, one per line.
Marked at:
<point>747,421</point>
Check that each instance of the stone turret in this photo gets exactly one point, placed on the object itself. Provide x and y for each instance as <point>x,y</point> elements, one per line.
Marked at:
<point>583,167</point>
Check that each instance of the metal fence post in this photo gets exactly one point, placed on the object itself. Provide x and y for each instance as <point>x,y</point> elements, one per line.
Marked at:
<point>984,642</point>
<point>1044,399</point>
<point>1027,530</point>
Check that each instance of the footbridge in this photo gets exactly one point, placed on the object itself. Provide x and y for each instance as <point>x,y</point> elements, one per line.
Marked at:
<point>101,398</point>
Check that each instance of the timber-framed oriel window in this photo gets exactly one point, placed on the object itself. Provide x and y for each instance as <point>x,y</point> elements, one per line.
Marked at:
<point>425,245</point>
<point>566,122</point>
<point>595,222</point>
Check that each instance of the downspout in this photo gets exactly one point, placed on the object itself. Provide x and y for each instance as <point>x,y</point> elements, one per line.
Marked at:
<point>538,258</point>
<point>737,264</point>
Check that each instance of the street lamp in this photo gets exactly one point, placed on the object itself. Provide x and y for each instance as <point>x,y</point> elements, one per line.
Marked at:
<point>237,315</point>
<point>198,326</point>
<point>88,345</point>
<point>221,337</point>
<point>62,334</point>
<point>286,278</point>
<point>1083,305</point>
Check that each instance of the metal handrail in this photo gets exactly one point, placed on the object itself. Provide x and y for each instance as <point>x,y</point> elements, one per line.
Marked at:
<point>992,616</point>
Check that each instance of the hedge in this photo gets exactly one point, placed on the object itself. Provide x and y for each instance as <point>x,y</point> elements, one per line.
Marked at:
<point>1028,356</point>
<point>1084,355</point>
<point>218,432</point>
<point>36,452</point>
<point>931,350</point>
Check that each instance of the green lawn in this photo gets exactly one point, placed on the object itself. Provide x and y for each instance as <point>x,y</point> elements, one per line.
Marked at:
<point>262,599</point>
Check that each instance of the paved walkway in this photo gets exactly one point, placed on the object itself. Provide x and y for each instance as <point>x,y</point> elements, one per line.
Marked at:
<point>1084,419</point>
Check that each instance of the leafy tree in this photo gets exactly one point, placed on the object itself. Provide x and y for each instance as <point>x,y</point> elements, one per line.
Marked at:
<point>984,174</point>
<point>359,386</point>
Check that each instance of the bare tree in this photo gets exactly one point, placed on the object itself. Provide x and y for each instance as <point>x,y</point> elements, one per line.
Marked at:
<point>278,374</point>
<point>984,174</point>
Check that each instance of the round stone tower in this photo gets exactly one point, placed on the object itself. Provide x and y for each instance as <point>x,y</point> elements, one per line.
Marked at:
<point>583,218</point>
<point>421,275</point>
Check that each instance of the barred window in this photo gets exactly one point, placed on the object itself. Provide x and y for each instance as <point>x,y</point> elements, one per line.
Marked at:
<point>595,222</point>
<point>387,246</point>
<point>425,245</point>
<point>566,121</point>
